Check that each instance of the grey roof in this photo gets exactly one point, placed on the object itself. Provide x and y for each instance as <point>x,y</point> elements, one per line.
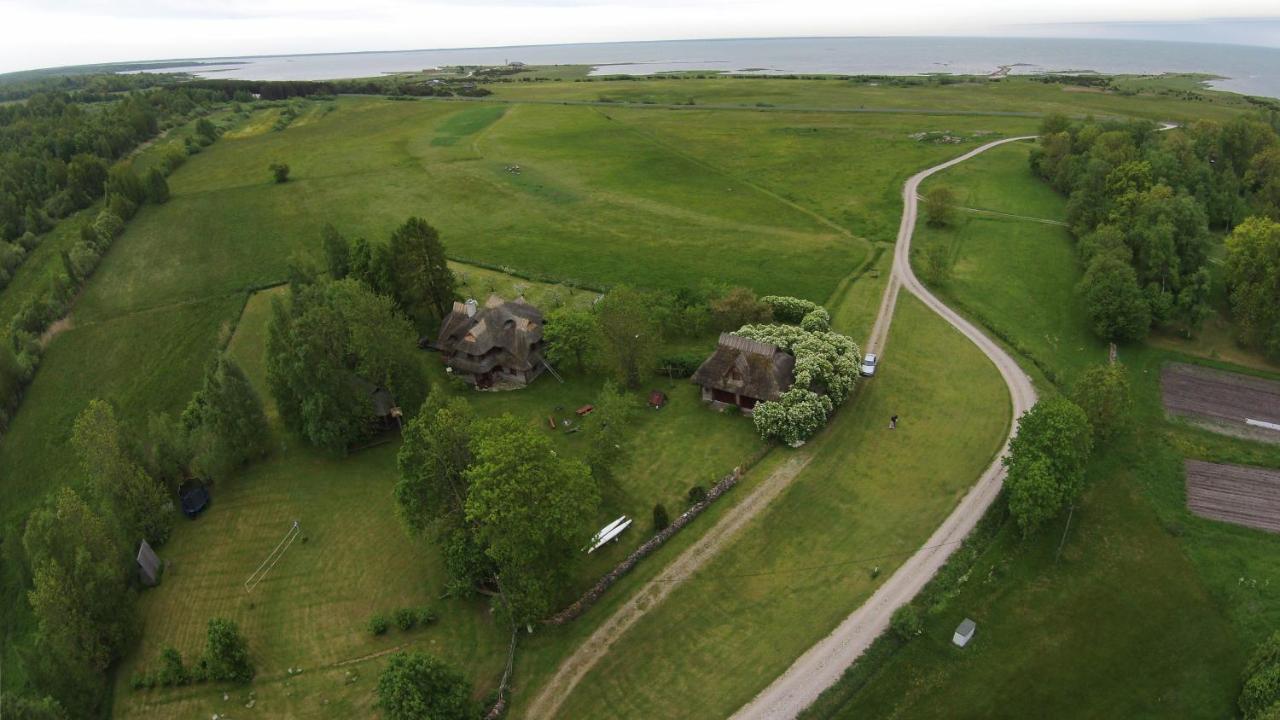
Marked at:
<point>747,367</point>
<point>148,564</point>
<point>511,328</point>
<point>966,628</point>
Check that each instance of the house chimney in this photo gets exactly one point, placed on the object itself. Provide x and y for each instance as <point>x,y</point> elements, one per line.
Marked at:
<point>471,307</point>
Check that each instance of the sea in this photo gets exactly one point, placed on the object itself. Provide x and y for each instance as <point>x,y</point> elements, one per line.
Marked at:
<point>1252,70</point>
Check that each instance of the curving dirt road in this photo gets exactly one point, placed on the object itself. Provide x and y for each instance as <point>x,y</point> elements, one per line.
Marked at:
<point>823,663</point>
<point>826,661</point>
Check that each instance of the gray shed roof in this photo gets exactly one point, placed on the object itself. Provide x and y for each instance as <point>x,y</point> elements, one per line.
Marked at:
<point>966,627</point>
<point>148,564</point>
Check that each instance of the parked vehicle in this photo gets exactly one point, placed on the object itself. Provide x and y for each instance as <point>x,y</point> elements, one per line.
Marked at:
<point>869,362</point>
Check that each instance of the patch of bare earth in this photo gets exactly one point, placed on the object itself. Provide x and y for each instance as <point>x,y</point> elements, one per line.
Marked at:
<point>1225,402</point>
<point>1237,494</point>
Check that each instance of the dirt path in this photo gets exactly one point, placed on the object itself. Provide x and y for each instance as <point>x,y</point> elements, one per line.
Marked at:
<point>586,655</point>
<point>823,663</point>
<point>826,661</point>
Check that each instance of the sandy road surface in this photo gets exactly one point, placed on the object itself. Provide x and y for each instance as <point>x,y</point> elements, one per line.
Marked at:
<point>826,661</point>
<point>823,663</point>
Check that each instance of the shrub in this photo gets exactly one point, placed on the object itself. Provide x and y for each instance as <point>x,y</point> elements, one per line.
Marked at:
<point>172,671</point>
<point>405,619</point>
<point>427,616</point>
<point>1261,691</point>
<point>226,656</point>
<point>697,494</point>
<point>660,518</point>
<point>680,365</point>
<point>906,622</point>
<point>279,171</point>
<point>378,624</point>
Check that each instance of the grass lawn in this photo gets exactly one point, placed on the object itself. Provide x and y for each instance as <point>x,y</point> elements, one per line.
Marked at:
<point>868,498</point>
<point>1135,563</point>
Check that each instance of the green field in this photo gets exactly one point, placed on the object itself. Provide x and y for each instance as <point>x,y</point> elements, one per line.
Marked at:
<point>869,498</point>
<point>1135,562</point>
<point>791,201</point>
<point>1010,95</point>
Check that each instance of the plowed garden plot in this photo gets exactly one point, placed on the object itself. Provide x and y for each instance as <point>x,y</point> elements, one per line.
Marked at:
<point>1227,402</point>
<point>1238,494</point>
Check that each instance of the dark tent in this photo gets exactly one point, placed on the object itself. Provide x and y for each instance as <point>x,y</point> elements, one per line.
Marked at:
<point>194,498</point>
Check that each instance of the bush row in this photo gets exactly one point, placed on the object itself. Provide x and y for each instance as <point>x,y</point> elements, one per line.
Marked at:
<point>404,618</point>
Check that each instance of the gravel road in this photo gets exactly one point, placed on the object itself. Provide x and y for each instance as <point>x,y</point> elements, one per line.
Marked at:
<point>826,661</point>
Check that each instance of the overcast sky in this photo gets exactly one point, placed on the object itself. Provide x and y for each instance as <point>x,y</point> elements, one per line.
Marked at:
<point>47,33</point>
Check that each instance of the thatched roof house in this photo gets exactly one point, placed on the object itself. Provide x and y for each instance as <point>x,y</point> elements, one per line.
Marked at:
<point>744,372</point>
<point>500,343</point>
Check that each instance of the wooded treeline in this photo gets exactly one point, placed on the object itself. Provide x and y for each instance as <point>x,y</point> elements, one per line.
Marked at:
<point>1143,204</point>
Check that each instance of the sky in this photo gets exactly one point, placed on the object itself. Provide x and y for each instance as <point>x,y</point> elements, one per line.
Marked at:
<point>48,33</point>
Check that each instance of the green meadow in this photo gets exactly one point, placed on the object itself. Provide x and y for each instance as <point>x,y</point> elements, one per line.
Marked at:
<point>801,198</point>
<point>1133,563</point>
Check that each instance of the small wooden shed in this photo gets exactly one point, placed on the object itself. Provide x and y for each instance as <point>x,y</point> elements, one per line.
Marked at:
<point>149,566</point>
<point>964,632</point>
<point>657,399</point>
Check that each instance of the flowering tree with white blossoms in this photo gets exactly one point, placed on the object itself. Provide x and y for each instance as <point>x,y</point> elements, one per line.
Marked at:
<point>825,371</point>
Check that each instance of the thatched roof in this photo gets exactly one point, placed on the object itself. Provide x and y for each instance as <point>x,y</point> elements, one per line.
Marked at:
<point>747,367</point>
<point>512,327</point>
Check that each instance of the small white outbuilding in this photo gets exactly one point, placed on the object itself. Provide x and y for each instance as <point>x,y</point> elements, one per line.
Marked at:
<point>964,632</point>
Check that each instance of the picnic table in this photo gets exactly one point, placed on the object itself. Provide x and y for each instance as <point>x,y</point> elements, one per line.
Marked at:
<point>585,409</point>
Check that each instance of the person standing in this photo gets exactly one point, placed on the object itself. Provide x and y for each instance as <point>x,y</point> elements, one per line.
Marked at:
<point>893,422</point>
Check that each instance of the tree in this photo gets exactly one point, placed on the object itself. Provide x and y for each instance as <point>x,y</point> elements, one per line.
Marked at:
<point>737,307</point>
<point>607,428</point>
<point>661,521</point>
<point>940,206</point>
<point>794,417</point>
<point>138,505</point>
<point>1261,695</point>
<point>226,655</point>
<point>418,686</point>
<point>328,348</point>
<point>124,182</point>
<point>337,252</point>
<point>157,187</point>
<point>1116,305</point>
<point>1253,277</point>
<point>1102,391</point>
<point>1046,461</point>
<point>420,273</point>
<point>279,171</point>
<point>937,262</point>
<point>206,130</point>
<point>531,508</point>
<point>85,177</point>
<point>226,419</point>
<point>570,334</point>
<point>629,336</point>
<point>433,461</point>
<point>80,595</point>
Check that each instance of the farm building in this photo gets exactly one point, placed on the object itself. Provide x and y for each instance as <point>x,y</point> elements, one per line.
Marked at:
<point>498,344</point>
<point>149,567</point>
<point>744,372</point>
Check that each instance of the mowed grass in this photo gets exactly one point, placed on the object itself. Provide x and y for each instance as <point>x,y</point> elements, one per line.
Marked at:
<point>346,571</point>
<point>1017,95</point>
<point>310,611</point>
<point>869,498</point>
<point>1135,562</point>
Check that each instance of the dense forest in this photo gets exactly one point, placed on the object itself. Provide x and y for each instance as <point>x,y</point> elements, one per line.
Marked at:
<point>1145,204</point>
